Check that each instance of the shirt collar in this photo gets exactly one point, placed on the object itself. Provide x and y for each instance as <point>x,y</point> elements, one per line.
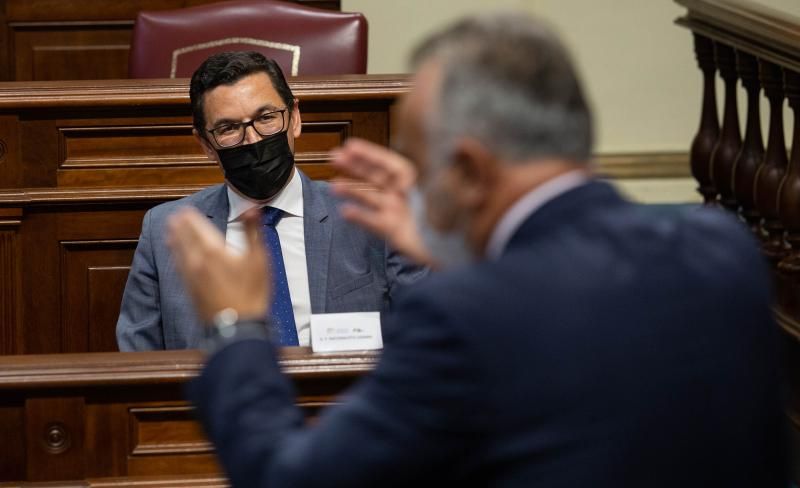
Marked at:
<point>527,205</point>
<point>290,200</point>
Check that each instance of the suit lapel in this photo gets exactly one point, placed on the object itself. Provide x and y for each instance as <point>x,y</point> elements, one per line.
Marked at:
<point>215,206</point>
<point>317,233</point>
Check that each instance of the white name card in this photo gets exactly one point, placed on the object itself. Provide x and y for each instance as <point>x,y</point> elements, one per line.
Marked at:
<point>335,332</point>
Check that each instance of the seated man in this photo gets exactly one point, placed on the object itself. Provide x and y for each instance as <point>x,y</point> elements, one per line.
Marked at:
<point>246,118</point>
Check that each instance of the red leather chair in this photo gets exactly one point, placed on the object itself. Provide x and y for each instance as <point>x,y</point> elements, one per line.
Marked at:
<point>303,40</point>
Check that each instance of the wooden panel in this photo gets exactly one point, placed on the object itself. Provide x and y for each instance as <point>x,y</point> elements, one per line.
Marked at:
<point>130,151</point>
<point>321,133</point>
<point>122,416</point>
<point>5,47</point>
<point>92,281</point>
<point>105,287</point>
<point>150,434</point>
<point>189,464</point>
<point>331,133</point>
<point>164,436</point>
<point>63,51</point>
<point>38,154</point>
<point>118,147</point>
<point>40,278</point>
<point>10,168</point>
<point>12,431</point>
<point>79,259</point>
<point>54,434</point>
<point>130,155</point>
<point>107,433</point>
<point>9,280</point>
<point>326,127</point>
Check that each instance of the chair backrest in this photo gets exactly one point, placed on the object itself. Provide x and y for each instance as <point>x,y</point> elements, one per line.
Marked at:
<point>303,40</point>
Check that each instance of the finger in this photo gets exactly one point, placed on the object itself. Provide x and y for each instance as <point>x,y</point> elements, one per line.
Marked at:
<point>343,181</point>
<point>182,237</point>
<point>364,161</point>
<point>256,255</point>
<point>197,229</point>
<point>366,149</point>
<point>365,198</point>
<point>382,162</point>
<point>369,220</point>
<point>189,254</point>
<point>354,167</point>
<point>335,153</point>
<point>252,228</point>
<point>369,153</point>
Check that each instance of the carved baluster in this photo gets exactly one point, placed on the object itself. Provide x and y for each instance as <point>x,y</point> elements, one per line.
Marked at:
<point>789,204</point>
<point>772,170</point>
<point>752,152</point>
<point>723,159</point>
<point>708,132</point>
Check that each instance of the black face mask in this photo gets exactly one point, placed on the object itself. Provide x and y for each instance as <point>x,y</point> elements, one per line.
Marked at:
<point>259,170</point>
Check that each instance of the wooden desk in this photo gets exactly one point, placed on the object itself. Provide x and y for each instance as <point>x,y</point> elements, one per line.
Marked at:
<point>121,417</point>
<point>80,163</point>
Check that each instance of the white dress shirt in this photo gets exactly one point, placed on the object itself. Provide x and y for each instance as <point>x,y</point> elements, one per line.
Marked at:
<point>293,246</point>
<point>527,205</point>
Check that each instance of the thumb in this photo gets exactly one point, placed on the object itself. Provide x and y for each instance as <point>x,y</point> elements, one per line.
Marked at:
<point>252,230</point>
<point>256,258</point>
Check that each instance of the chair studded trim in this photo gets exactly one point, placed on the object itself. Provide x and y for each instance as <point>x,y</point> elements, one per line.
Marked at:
<point>292,48</point>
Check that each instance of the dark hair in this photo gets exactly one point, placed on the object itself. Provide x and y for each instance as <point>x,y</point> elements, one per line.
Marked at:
<point>226,69</point>
<point>508,81</point>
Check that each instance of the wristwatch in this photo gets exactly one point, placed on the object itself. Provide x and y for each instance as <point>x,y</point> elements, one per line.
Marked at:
<point>226,328</point>
<point>224,322</point>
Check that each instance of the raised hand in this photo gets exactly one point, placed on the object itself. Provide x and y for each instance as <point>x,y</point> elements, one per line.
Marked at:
<point>216,277</point>
<point>377,190</point>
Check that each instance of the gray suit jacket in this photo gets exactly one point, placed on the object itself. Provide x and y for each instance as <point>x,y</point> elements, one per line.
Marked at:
<point>348,270</point>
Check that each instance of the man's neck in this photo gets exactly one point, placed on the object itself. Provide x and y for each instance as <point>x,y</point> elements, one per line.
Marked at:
<point>516,181</point>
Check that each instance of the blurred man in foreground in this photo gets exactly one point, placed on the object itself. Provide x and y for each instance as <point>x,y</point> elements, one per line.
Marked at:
<point>571,339</point>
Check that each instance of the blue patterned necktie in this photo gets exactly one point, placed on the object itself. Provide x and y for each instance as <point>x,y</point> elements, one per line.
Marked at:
<point>281,314</point>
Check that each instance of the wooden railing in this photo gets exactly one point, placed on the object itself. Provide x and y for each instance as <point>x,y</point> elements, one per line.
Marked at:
<point>757,50</point>
<point>120,419</point>
<point>754,50</point>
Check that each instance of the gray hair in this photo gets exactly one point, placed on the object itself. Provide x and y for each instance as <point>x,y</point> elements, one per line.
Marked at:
<point>508,82</point>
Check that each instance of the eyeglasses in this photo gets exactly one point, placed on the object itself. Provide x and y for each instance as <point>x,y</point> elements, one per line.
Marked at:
<point>266,124</point>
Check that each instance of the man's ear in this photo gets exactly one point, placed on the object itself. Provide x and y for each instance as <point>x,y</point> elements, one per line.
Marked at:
<point>474,173</point>
<point>211,153</point>
<point>297,122</point>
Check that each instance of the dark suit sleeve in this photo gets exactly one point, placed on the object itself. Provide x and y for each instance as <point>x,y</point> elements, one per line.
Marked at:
<point>400,272</point>
<point>415,415</point>
<point>139,324</point>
